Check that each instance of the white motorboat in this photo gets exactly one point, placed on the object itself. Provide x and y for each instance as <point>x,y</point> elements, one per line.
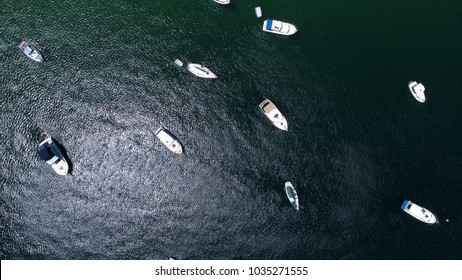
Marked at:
<point>49,151</point>
<point>417,90</point>
<point>292,195</point>
<point>222,2</point>
<point>178,62</point>
<point>258,12</point>
<point>31,51</point>
<point>418,212</point>
<point>273,114</point>
<point>201,71</point>
<point>279,27</point>
<point>169,140</point>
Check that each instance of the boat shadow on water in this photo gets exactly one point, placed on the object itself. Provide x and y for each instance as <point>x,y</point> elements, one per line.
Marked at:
<point>65,155</point>
<point>48,55</point>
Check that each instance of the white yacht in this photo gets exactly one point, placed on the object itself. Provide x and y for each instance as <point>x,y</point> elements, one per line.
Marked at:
<point>31,51</point>
<point>418,212</point>
<point>169,140</point>
<point>222,2</point>
<point>258,12</point>
<point>279,27</point>
<point>201,71</point>
<point>417,90</point>
<point>49,152</point>
<point>292,195</point>
<point>273,114</point>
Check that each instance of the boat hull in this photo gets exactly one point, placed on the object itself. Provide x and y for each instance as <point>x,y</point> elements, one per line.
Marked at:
<point>418,212</point>
<point>54,156</point>
<point>292,195</point>
<point>31,52</point>
<point>273,114</point>
<point>201,71</point>
<point>417,90</point>
<point>279,27</point>
<point>169,140</point>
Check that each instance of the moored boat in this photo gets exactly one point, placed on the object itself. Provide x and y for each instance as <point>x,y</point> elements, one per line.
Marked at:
<point>417,90</point>
<point>292,195</point>
<point>169,140</point>
<point>49,151</point>
<point>201,71</point>
<point>258,12</point>
<point>273,114</point>
<point>31,52</point>
<point>178,62</point>
<point>279,27</point>
<point>418,212</point>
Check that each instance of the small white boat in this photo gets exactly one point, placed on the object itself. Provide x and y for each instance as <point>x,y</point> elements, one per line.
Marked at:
<point>169,140</point>
<point>418,212</point>
<point>49,151</point>
<point>31,51</point>
<point>292,195</point>
<point>222,2</point>
<point>273,114</point>
<point>201,71</point>
<point>417,90</point>
<point>178,62</point>
<point>279,27</point>
<point>258,12</point>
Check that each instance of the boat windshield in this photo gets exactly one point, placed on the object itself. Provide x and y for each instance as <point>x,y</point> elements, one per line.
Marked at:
<point>45,152</point>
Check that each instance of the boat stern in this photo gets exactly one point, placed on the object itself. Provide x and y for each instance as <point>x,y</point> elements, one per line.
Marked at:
<point>404,205</point>
<point>267,25</point>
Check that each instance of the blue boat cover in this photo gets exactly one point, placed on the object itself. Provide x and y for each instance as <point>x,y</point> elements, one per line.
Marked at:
<point>269,23</point>
<point>45,152</point>
<point>404,204</point>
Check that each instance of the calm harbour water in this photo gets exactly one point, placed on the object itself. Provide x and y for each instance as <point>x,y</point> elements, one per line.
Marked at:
<point>358,142</point>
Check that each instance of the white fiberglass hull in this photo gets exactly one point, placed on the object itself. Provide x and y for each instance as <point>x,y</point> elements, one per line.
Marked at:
<point>201,71</point>
<point>292,195</point>
<point>279,27</point>
<point>417,90</point>
<point>222,2</point>
<point>418,212</point>
<point>57,162</point>
<point>31,52</point>
<point>169,140</point>
<point>273,114</point>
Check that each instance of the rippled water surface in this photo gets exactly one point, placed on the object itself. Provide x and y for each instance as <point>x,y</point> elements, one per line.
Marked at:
<point>358,143</point>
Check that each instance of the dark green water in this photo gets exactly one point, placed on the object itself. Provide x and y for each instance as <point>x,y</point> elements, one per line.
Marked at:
<point>358,142</point>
